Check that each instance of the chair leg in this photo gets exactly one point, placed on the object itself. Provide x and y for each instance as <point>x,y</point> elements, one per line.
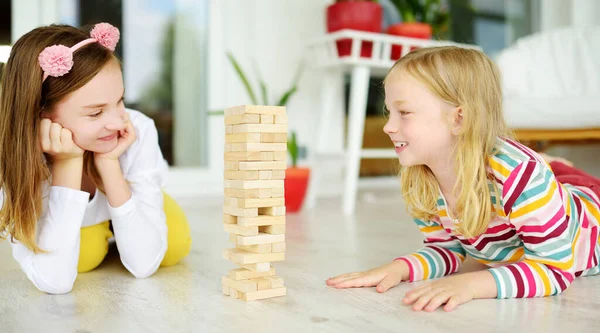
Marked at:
<point>358,102</point>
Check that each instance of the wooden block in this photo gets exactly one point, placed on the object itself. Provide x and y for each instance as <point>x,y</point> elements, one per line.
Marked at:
<point>240,285</point>
<point>262,283</point>
<point>226,289</point>
<point>260,267</point>
<point>255,203</point>
<point>255,109</point>
<point>281,119</point>
<point>261,220</point>
<point>263,294</point>
<point>242,257</point>
<point>277,165</point>
<point>278,247</point>
<point>271,229</point>
<point>236,211</point>
<point>280,156</point>
<point>229,129</point>
<point>241,175</point>
<point>260,248</point>
<point>276,281</point>
<point>277,192</point>
<point>244,137</point>
<point>243,119</point>
<point>245,156</point>
<point>232,165</point>
<point>258,128</point>
<point>273,137</point>
<point>234,293</point>
<point>245,274</point>
<point>262,238</point>
<point>272,211</point>
<point>265,175</point>
<point>267,119</point>
<point>276,174</point>
<point>230,219</point>
<point>253,184</point>
<point>242,146</point>
<point>258,193</point>
<point>239,230</point>
<point>233,239</point>
<point>267,156</point>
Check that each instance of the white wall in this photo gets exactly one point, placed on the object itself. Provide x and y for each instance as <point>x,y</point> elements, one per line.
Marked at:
<point>563,13</point>
<point>272,33</point>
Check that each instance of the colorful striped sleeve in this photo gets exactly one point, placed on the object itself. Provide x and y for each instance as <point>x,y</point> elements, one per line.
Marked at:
<point>534,203</point>
<point>442,254</point>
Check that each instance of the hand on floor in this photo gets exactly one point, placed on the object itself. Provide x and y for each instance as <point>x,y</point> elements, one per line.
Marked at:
<point>452,291</point>
<point>384,277</point>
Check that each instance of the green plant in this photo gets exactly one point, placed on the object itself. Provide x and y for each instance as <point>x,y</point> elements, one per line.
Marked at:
<point>426,11</point>
<point>292,144</point>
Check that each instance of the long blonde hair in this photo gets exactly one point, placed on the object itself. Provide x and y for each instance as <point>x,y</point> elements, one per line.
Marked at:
<point>23,97</point>
<point>466,78</point>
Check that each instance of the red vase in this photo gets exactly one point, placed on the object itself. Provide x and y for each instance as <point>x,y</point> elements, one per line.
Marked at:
<point>412,29</point>
<point>355,15</point>
<point>296,182</point>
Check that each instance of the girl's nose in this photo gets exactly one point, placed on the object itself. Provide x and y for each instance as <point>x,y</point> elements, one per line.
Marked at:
<point>116,122</point>
<point>390,127</point>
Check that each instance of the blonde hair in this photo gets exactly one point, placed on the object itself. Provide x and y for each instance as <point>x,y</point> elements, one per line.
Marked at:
<point>23,168</point>
<point>466,78</point>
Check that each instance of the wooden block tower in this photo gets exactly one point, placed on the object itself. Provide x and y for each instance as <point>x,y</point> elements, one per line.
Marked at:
<point>254,207</point>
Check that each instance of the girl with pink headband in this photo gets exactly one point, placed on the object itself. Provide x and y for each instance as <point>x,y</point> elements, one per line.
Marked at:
<point>78,167</point>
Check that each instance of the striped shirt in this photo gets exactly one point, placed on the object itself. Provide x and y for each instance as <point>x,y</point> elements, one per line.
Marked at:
<point>544,233</point>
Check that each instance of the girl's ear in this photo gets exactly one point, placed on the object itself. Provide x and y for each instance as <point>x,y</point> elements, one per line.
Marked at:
<point>456,120</point>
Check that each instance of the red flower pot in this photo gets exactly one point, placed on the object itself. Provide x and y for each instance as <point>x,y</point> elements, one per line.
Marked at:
<point>412,29</point>
<point>296,182</point>
<point>355,15</point>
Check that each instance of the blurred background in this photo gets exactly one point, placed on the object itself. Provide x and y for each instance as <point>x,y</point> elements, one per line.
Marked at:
<point>180,56</point>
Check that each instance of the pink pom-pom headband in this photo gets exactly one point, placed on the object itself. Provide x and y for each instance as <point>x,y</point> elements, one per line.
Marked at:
<point>57,60</point>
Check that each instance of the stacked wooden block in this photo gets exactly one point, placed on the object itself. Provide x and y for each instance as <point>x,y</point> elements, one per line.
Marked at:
<point>254,207</point>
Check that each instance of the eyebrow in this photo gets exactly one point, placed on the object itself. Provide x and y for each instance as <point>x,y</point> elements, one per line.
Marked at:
<point>99,105</point>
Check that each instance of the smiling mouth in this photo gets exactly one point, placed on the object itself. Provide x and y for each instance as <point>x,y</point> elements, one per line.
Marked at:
<point>400,144</point>
<point>108,137</point>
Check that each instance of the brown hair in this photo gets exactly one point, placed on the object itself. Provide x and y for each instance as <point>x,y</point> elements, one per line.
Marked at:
<point>23,168</point>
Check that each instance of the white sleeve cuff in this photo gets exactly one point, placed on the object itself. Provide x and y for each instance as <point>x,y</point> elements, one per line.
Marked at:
<point>68,195</point>
<point>125,209</point>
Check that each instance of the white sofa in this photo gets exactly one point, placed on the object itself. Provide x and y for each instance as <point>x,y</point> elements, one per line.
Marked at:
<point>551,85</point>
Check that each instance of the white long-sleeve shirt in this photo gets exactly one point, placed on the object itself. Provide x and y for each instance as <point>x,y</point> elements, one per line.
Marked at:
<point>139,224</point>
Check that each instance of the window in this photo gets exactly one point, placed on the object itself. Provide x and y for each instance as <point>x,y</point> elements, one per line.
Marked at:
<point>163,52</point>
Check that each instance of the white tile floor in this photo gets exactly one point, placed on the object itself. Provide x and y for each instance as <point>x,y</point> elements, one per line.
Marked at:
<point>321,243</point>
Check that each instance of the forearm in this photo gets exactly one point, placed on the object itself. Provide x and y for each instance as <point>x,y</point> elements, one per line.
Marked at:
<point>530,279</point>
<point>116,187</point>
<point>482,284</point>
<point>55,270</point>
<point>67,173</point>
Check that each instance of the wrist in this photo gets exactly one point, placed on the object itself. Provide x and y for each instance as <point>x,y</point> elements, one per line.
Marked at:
<point>106,164</point>
<point>402,269</point>
<point>67,172</point>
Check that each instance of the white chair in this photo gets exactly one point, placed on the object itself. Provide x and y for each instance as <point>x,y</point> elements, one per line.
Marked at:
<point>551,85</point>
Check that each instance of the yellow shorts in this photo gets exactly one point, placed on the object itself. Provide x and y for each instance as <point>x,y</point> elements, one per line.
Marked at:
<point>94,239</point>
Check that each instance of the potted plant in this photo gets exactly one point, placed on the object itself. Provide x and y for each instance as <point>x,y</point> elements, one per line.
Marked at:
<point>362,15</point>
<point>420,19</point>
<point>296,178</point>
